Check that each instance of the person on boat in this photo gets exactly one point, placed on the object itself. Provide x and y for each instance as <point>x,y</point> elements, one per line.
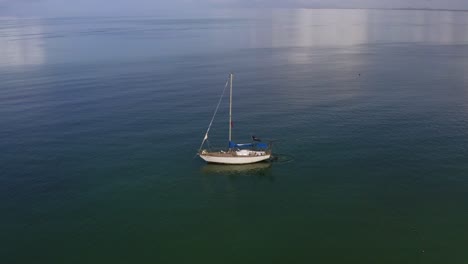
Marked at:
<point>254,138</point>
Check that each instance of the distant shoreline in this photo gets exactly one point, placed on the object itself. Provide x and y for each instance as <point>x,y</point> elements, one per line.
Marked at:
<point>375,8</point>
<point>6,17</point>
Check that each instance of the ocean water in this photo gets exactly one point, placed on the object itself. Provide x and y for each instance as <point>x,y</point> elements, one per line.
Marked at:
<point>100,119</point>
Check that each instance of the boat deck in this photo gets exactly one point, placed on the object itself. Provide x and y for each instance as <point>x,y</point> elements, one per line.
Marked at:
<point>252,153</point>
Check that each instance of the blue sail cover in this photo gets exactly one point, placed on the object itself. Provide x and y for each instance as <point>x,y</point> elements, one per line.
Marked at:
<point>257,145</point>
<point>261,145</point>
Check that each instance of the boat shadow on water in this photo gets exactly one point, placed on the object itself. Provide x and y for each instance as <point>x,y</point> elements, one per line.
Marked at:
<point>260,169</point>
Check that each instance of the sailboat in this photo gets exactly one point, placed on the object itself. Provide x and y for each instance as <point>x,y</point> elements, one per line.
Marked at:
<point>246,153</point>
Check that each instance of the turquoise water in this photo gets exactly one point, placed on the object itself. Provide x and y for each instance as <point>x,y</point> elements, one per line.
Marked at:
<point>100,119</point>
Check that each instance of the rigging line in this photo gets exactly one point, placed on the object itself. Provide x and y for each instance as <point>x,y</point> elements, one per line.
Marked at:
<point>217,107</point>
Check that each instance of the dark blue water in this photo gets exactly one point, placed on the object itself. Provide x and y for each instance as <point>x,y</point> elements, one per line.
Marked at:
<point>100,119</point>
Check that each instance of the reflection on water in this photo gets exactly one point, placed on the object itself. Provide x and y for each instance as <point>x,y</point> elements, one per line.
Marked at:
<point>321,28</point>
<point>229,177</point>
<point>256,169</point>
<point>418,26</point>
<point>70,40</point>
<point>21,42</point>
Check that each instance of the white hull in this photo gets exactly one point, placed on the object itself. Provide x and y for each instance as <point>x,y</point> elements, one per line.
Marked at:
<point>234,160</point>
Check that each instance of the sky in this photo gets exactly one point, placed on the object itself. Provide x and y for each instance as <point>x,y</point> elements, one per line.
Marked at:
<point>148,7</point>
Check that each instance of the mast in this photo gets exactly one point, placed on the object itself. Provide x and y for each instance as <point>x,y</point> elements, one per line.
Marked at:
<point>230,107</point>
